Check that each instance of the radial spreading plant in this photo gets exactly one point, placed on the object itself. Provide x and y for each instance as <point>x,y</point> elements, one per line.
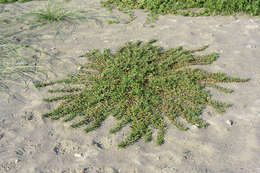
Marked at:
<point>140,85</point>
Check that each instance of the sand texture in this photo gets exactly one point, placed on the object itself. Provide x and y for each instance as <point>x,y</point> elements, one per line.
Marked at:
<point>30,144</point>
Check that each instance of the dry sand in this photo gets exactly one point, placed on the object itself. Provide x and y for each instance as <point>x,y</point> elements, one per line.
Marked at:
<point>30,144</point>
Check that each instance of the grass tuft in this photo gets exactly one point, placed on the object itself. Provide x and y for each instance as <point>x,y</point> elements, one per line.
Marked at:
<point>55,12</point>
<point>140,85</point>
<point>14,66</point>
<point>60,13</point>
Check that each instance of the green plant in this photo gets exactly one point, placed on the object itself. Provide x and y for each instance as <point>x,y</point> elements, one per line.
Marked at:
<point>58,14</point>
<point>10,1</point>
<point>189,7</point>
<point>111,21</point>
<point>141,85</point>
<point>13,65</point>
<point>54,12</point>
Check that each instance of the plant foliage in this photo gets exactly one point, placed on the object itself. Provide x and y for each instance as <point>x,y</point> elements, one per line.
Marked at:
<point>14,66</point>
<point>10,1</point>
<point>60,13</point>
<point>55,12</point>
<point>190,7</point>
<point>140,85</point>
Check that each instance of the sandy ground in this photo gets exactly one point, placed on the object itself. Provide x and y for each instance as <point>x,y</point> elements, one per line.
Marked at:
<point>30,144</point>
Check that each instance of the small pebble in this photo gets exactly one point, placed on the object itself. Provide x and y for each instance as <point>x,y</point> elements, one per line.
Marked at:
<point>194,127</point>
<point>230,122</point>
<point>97,144</point>
<point>35,57</point>
<point>80,68</point>
<point>169,169</point>
<point>187,155</point>
<point>56,150</point>
<point>1,136</point>
<point>18,39</point>
<point>78,155</point>
<point>28,116</point>
<point>22,63</point>
<point>85,170</point>
<point>249,46</point>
